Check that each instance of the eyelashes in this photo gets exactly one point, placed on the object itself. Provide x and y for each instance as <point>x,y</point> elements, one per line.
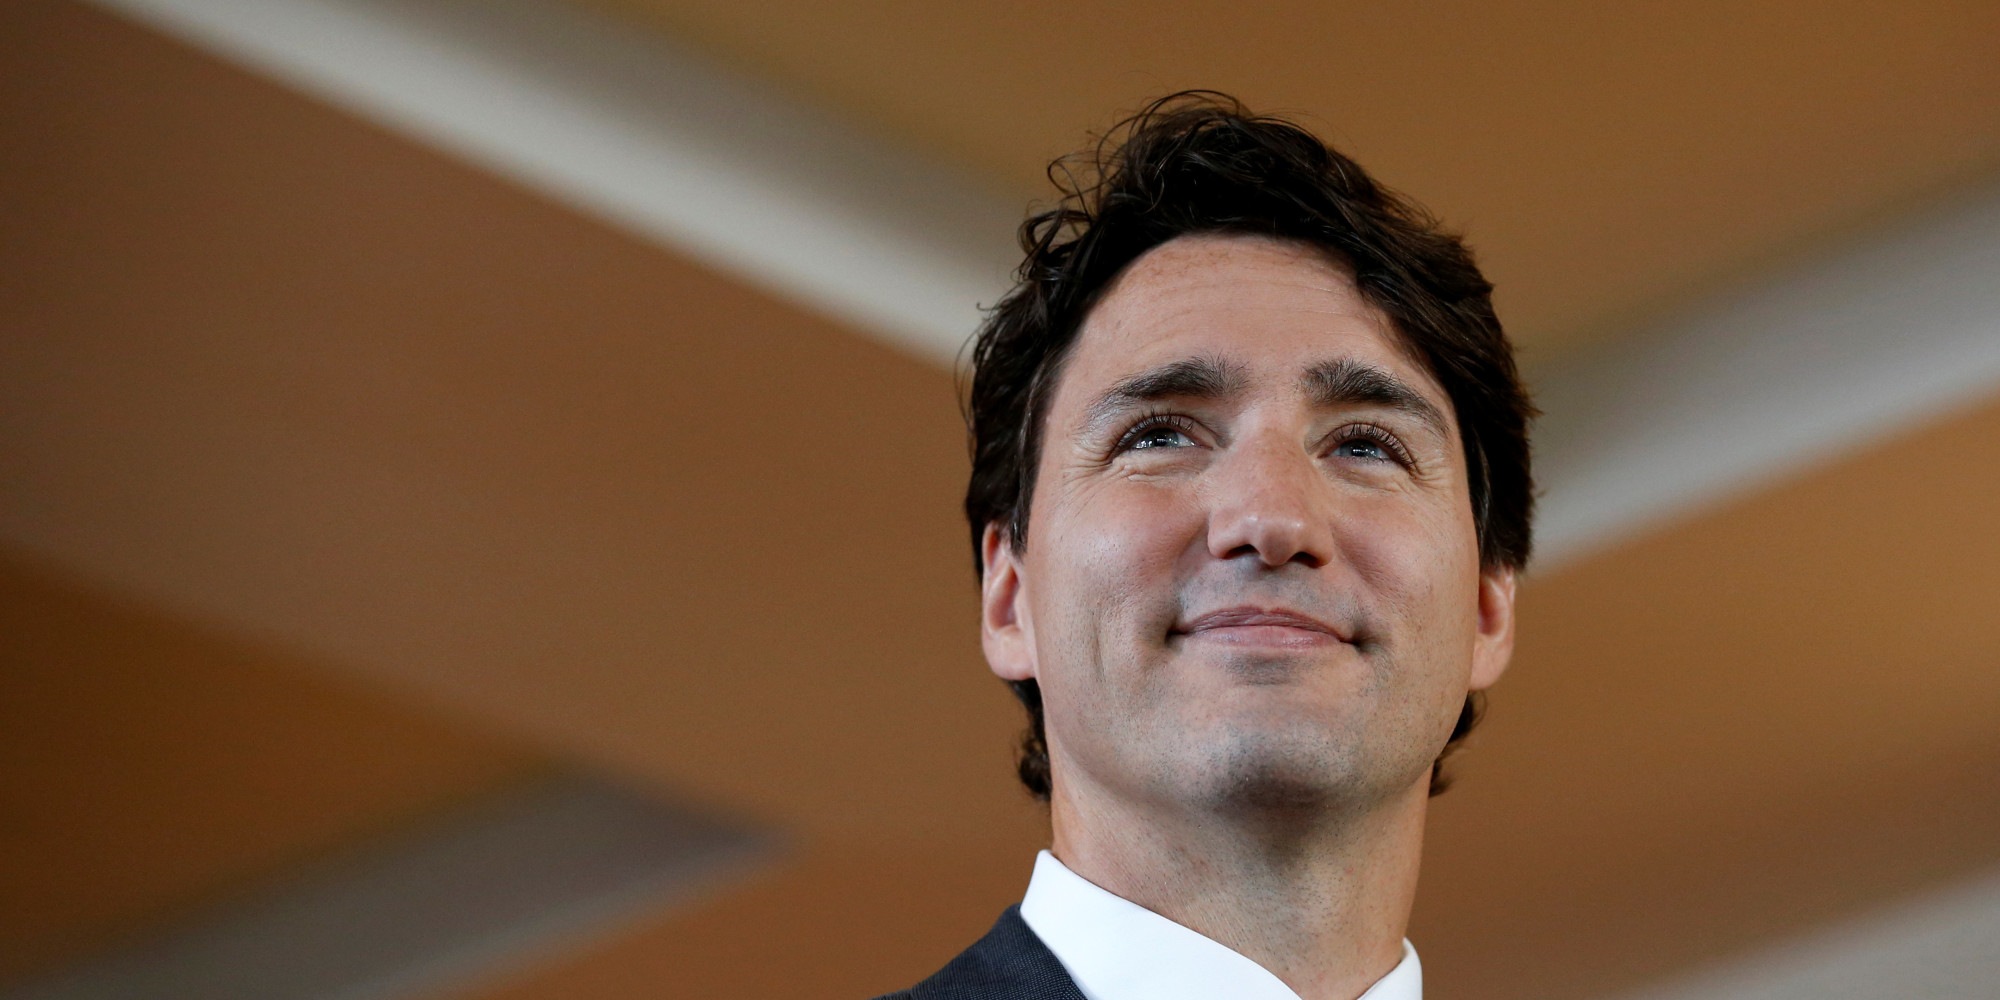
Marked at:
<point>1376,435</point>
<point>1153,430</point>
<point>1151,424</point>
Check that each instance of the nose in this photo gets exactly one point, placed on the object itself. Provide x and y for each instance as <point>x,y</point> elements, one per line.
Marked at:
<point>1268,501</point>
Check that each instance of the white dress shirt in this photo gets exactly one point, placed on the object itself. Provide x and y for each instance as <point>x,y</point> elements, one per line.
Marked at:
<point>1116,949</point>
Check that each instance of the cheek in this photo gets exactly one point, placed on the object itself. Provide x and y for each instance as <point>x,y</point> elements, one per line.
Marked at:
<point>1421,562</point>
<point>1108,555</point>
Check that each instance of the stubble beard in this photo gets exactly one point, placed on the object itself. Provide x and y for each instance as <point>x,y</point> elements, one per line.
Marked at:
<point>1286,773</point>
<point>1293,772</point>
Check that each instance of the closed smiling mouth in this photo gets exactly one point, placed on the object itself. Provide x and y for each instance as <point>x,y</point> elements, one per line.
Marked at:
<point>1259,627</point>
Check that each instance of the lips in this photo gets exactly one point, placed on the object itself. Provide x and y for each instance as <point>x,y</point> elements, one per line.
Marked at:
<point>1258,625</point>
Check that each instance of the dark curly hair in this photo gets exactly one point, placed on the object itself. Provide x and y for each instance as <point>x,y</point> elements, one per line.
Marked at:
<point>1198,162</point>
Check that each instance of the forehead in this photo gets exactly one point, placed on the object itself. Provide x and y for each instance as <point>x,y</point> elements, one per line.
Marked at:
<point>1273,307</point>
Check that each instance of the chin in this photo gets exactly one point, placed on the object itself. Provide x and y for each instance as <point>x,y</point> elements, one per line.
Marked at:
<point>1299,773</point>
<point>1277,772</point>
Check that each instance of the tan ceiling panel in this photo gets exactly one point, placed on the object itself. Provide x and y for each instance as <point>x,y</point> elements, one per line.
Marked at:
<point>295,372</point>
<point>147,767</point>
<point>1607,159</point>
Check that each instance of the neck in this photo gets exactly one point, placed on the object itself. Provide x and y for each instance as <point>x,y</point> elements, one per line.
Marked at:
<point>1320,897</point>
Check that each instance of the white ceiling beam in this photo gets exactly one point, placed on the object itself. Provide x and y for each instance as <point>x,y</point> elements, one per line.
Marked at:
<point>1823,360</point>
<point>650,137</point>
<point>452,905</point>
<point>1941,945</point>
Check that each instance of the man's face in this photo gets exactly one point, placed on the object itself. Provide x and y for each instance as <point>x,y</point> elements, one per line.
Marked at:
<point>1251,573</point>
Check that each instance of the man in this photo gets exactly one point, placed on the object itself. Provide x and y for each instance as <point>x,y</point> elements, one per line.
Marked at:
<point>1250,491</point>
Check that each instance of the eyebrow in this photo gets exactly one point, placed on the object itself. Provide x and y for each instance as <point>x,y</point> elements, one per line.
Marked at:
<point>1188,378</point>
<point>1347,382</point>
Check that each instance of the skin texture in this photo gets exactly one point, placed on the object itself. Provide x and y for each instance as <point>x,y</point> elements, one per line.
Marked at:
<point>1252,597</point>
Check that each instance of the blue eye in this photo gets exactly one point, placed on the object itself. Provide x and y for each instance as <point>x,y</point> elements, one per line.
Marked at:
<point>1160,437</point>
<point>1362,448</point>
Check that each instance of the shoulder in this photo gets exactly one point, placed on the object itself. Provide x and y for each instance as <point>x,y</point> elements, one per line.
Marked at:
<point>1009,963</point>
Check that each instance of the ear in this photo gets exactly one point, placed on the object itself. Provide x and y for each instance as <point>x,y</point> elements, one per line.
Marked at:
<point>1004,628</point>
<point>1494,645</point>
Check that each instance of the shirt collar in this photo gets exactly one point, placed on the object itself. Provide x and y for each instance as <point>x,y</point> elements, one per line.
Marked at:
<point>1118,950</point>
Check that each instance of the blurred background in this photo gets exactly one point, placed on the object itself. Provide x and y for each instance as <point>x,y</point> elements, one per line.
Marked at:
<point>478,484</point>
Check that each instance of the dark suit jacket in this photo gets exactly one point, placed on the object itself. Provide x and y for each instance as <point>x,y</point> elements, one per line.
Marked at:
<point>1009,963</point>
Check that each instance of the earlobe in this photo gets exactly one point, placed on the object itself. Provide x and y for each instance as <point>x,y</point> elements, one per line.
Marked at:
<point>1493,647</point>
<point>1004,629</point>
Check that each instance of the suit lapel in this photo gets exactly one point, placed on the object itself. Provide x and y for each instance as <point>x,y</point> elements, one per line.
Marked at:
<point>1009,963</point>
